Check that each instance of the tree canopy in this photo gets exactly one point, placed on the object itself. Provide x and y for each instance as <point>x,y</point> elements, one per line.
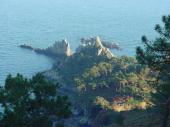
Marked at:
<point>156,55</point>
<point>32,102</point>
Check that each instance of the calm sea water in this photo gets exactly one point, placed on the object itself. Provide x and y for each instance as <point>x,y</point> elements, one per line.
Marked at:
<point>41,22</point>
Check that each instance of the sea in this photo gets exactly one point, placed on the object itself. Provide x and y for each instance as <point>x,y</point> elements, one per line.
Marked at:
<point>42,22</point>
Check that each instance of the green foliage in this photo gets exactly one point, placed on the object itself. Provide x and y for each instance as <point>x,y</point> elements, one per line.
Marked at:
<point>117,76</point>
<point>75,65</point>
<point>132,101</point>
<point>156,55</point>
<point>31,103</point>
<point>129,80</point>
<point>102,102</point>
<point>98,77</point>
<point>95,76</point>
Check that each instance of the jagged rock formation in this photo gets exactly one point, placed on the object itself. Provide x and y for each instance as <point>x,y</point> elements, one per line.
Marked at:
<point>101,49</point>
<point>62,48</point>
<point>98,48</point>
<point>107,44</point>
<point>59,49</point>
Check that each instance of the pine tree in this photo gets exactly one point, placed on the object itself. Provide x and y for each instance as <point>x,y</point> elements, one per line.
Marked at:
<point>156,55</point>
<point>32,103</point>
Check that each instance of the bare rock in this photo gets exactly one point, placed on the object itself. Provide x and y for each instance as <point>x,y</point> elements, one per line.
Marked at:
<point>96,45</point>
<point>102,50</point>
<point>60,48</point>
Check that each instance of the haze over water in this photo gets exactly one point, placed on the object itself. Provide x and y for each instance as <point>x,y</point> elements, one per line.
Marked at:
<point>41,22</point>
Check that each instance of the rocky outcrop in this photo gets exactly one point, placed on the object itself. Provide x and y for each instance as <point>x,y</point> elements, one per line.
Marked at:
<point>59,49</point>
<point>62,48</point>
<point>101,49</point>
<point>107,44</point>
<point>97,46</point>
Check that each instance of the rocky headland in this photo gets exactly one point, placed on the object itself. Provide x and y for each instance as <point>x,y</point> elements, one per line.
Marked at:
<point>62,48</point>
<point>65,70</point>
<point>96,80</point>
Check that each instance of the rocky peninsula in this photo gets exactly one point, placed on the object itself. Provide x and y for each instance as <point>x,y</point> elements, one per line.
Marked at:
<point>98,83</point>
<point>62,48</point>
<point>65,70</point>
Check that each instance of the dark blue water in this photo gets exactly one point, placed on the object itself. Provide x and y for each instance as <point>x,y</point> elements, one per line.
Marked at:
<point>41,22</point>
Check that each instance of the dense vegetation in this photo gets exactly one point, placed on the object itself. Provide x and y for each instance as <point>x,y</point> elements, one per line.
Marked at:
<point>113,84</point>
<point>32,103</point>
<point>122,83</point>
<point>121,77</point>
